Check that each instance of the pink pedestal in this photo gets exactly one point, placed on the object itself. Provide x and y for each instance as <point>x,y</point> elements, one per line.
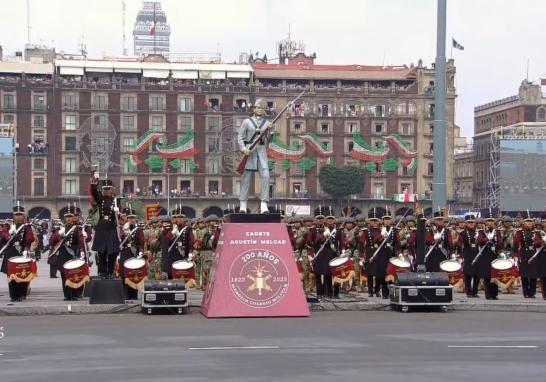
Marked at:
<point>254,274</point>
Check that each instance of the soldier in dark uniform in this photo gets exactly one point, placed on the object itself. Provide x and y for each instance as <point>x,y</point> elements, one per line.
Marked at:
<point>370,239</point>
<point>73,247</point>
<point>469,248</point>
<point>182,234</point>
<point>491,238</point>
<point>23,237</point>
<point>438,237</point>
<point>106,239</point>
<point>539,242</point>
<point>391,237</point>
<point>133,246</point>
<point>316,238</point>
<point>525,249</point>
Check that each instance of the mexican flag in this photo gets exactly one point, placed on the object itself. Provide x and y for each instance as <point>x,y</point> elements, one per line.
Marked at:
<point>456,45</point>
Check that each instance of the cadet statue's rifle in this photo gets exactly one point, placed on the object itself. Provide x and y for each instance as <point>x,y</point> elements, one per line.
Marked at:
<point>256,139</point>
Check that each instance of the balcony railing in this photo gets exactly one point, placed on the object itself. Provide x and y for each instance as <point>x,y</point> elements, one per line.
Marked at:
<point>39,107</point>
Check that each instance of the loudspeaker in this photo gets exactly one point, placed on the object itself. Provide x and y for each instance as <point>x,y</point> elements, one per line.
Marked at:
<point>421,289</point>
<point>421,279</point>
<point>87,287</point>
<point>106,292</point>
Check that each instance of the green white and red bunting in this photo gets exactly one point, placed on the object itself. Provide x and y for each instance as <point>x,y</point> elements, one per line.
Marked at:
<point>400,146</point>
<point>313,141</point>
<point>456,45</point>
<point>183,149</point>
<point>364,151</point>
<point>145,141</point>
<point>281,151</point>
<point>132,160</point>
<point>411,164</point>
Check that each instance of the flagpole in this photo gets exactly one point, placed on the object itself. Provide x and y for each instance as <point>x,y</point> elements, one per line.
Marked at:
<point>451,50</point>
<point>154,29</point>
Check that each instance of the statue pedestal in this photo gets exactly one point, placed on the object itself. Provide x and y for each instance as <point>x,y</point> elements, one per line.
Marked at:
<point>254,273</point>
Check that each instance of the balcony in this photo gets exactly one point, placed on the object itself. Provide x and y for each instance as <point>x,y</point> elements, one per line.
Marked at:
<point>39,108</point>
<point>429,115</point>
<point>240,109</point>
<point>70,106</point>
<point>37,148</point>
<point>9,106</point>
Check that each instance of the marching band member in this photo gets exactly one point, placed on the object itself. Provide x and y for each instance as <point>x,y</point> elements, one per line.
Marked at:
<point>370,239</point>
<point>199,245</point>
<point>182,237</point>
<point>72,238</point>
<point>391,247</point>
<point>539,262</point>
<point>107,236</point>
<point>22,238</point>
<point>134,245</point>
<point>525,249</point>
<point>469,249</point>
<point>438,241</point>
<point>492,240</point>
<point>316,238</point>
<point>210,241</point>
<point>349,246</point>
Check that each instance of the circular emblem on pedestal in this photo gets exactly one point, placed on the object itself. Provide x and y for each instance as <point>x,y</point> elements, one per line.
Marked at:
<point>258,278</point>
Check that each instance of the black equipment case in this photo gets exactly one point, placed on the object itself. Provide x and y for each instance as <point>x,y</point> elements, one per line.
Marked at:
<point>164,294</point>
<point>421,289</point>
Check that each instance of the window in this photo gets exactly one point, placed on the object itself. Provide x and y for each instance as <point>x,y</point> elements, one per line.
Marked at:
<point>296,127</point>
<point>99,121</point>
<point>379,128</point>
<point>128,165</point>
<point>9,101</point>
<point>185,186</point>
<point>70,143</point>
<point>213,123</point>
<point>324,110</point>
<point>185,123</point>
<point>404,187</point>
<point>430,111</point>
<point>326,145</point>
<point>38,121</point>
<point>70,165</point>
<point>431,148</point>
<point>157,123</point>
<point>405,108</point>
<point>70,122</point>
<point>404,170</point>
<point>350,146</point>
<point>128,143</point>
<point>128,103</point>
<point>240,105</point>
<point>351,127</point>
<point>70,186</point>
<point>325,128</point>
<point>379,111</point>
<point>38,164</point>
<point>214,104</point>
<point>352,110</point>
<point>378,190</point>
<point>156,103</point>
<point>213,187</point>
<point>38,102</point>
<point>213,145</point>
<point>69,101</point>
<point>185,104</point>
<point>430,168</point>
<point>298,110</point>
<point>405,128</point>
<point>8,118</point>
<point>186,166</point>
<point>431,129</point>
<point>128,187</point>
<point>236,187</point>
<point>128,122</point>
<point>39,187</point>
<point>157,187</point>
<point>99,102</point>
<point>213,165</point>
<point>541,114</point>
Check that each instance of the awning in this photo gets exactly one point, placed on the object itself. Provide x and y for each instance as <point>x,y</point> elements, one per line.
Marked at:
<point>185,74</point>
<point>127,70</point>
<point>238,74</point>
<point>154,73</point>
<point>212,75</point>
<point>70,71</point>
<point>218,75</point>
<point>94,69</point>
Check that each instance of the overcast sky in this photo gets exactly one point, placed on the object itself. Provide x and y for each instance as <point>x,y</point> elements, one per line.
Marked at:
<point>499,36</point>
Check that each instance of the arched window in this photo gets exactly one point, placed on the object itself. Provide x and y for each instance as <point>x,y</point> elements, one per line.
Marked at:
<point>541,114</point>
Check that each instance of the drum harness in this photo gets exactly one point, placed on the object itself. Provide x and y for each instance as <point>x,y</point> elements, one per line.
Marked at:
<point>539,250</point>
<point>178,237</point>
<point>332,234</point>
<point>482,248</point>
<point>19,230</point>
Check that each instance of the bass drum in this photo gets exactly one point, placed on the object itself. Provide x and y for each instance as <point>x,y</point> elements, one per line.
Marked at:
<point>21,269</point>
<point>454,271</point>
<point>76,273</point>
<point>395,265</point>
<point>342,269</point>
<point>504,273</point>
<point>184,270</point>
<point>136,272</point>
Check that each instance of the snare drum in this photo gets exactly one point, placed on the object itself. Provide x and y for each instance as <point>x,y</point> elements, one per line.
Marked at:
<point>183,270</point>
<point>136,272</point>
<point>76,273</point>
<point>343,269</point>
<point>504,273</point>
<point>454,271</point>
<point>21,269</point>
<point>395,265</point>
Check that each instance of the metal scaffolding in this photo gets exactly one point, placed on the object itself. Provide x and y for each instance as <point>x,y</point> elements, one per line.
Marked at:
<point>492,198</point>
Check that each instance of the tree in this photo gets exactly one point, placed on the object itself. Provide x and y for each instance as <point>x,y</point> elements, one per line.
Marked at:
<point>342,181</point>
